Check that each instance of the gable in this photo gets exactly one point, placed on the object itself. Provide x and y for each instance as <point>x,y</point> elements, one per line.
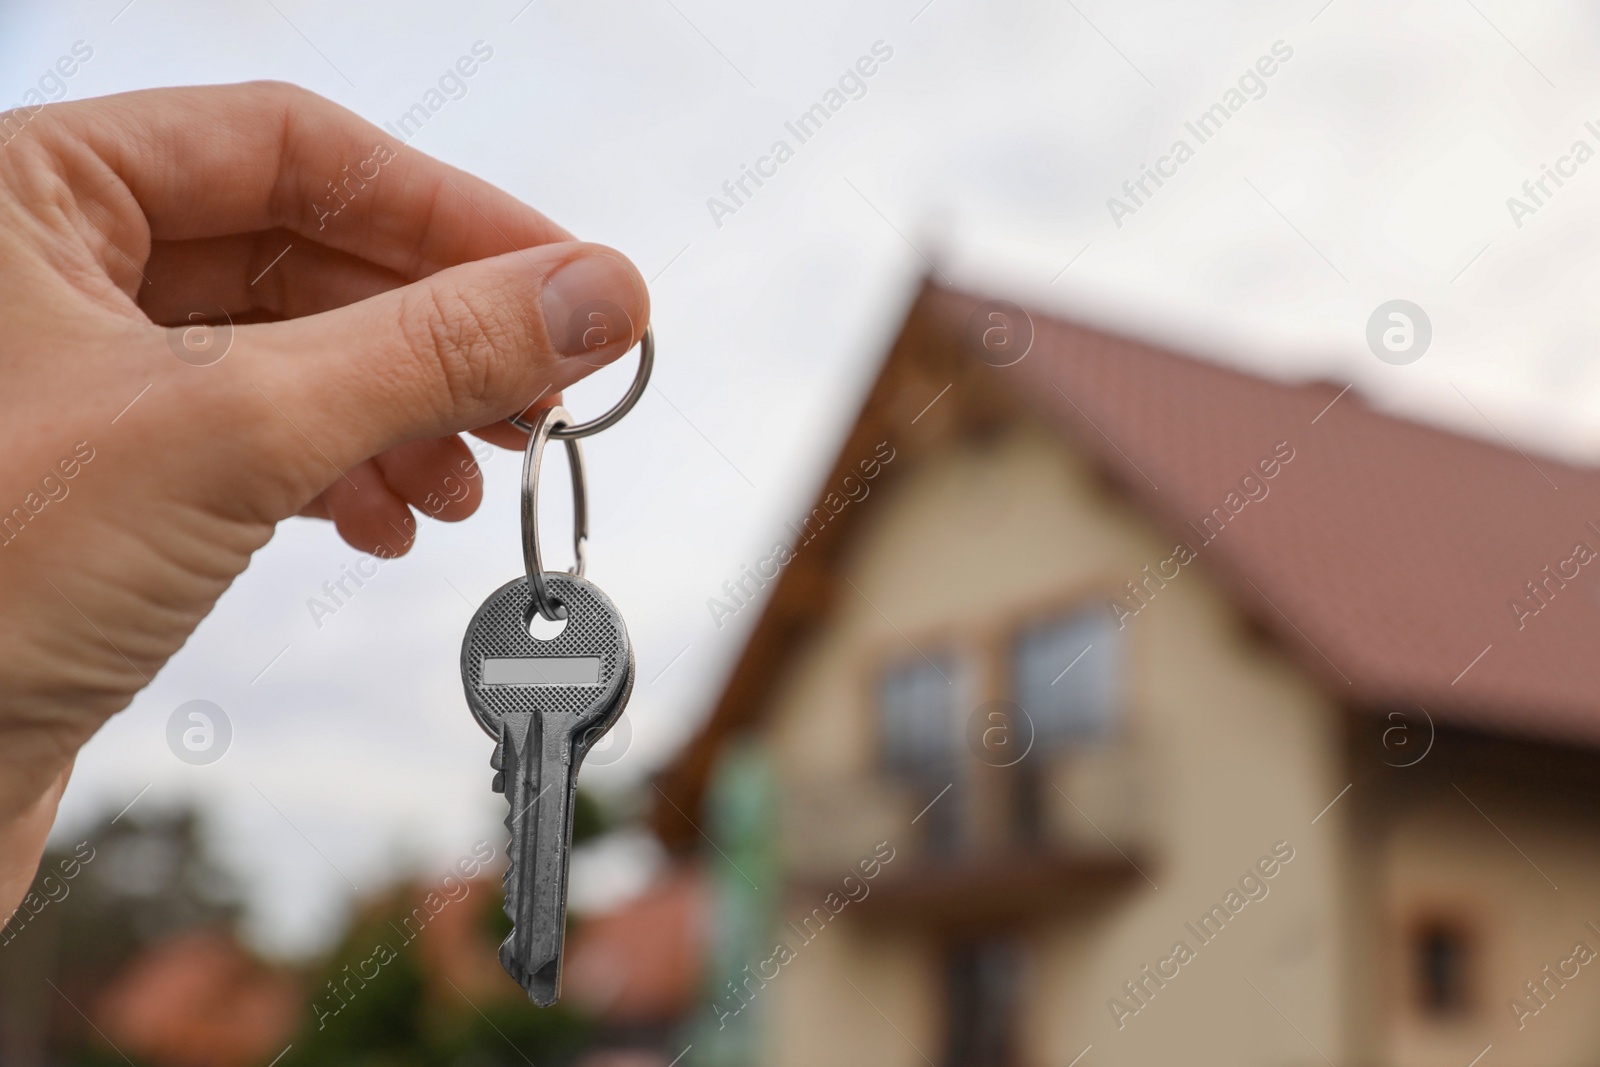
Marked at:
<point>1386,557</point>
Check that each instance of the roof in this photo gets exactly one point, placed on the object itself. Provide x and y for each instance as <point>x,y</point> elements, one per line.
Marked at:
<point>200,999</point>
<point>1385,559</point>
<point>641,962</point>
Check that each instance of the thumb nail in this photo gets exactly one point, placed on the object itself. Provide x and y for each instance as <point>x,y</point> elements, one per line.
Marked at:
<point>591,304</point>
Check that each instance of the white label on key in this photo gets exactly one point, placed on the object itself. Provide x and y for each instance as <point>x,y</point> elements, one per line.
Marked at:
<point>542,670</point>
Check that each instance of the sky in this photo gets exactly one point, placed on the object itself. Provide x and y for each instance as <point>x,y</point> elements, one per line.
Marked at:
<point>989,148</point>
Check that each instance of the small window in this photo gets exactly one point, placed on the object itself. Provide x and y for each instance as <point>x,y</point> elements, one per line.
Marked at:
<point>916,708</point>
<point>1065,675</point>
<point>982,986</point>
<point>1442,961</point>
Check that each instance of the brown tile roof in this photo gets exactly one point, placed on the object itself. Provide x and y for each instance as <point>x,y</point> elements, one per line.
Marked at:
<point>641,962</point>
<point>1385,556</point>
<point>199,1000</point>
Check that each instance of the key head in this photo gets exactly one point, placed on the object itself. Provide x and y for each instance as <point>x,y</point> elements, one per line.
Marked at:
<point>584,674</point>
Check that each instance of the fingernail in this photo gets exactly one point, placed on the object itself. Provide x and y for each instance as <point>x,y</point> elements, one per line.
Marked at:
<point>585,307</point>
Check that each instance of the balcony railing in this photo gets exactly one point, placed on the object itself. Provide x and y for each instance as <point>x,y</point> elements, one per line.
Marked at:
<point>1059,819</point>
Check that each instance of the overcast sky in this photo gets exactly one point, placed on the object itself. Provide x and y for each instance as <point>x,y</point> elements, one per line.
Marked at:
<point>1374,163</point>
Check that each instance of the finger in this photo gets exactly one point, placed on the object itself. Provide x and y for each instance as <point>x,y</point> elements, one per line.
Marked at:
<point>272,274</point>
<point>463,349</point>
<point>369,515</point>
<point>436,475</point>
<point>29,801</point>
<point>508,436</point>
<point>503,435</point>
<point>317,508</point>
<point>216,160</point>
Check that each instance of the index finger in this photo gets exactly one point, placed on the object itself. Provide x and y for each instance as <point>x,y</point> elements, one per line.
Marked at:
<point>218,160</point>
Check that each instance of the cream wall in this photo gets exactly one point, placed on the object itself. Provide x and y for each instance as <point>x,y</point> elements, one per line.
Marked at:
<point>1242,752</point>
<point>1529,888</point>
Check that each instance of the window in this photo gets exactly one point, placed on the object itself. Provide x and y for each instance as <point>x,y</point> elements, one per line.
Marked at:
<point>981,992</point>
<point>1442,962</point>
<point>1065,675</point>
<point>916,705</point>
<point>917,721</point>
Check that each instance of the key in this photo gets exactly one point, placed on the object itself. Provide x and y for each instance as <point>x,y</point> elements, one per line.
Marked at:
<point>546,703</point>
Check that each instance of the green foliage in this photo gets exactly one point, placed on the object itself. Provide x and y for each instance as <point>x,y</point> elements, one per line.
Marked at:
<point>99,899</point>
<point>403,1018</point>
<point>134,883</point>
<point>589,819</point>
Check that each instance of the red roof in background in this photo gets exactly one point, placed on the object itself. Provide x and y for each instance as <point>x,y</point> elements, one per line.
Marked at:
<point>1386,553</point>
<point>641,962</point>
<point>199,1000</point>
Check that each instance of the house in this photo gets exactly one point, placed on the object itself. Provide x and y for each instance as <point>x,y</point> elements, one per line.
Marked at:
<point>1111,707</point>
<point>200,999</point>
<point>634,969</point>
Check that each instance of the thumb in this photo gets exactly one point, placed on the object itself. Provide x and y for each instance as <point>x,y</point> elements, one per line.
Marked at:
<point>463,348</point>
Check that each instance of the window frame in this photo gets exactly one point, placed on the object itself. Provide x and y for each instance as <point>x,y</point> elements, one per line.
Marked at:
<point>961,688</point>
<point>1060,610</point>
<point>980,644</point>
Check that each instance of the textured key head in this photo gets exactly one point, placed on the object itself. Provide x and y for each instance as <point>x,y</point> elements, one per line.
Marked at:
<point>585,671</point>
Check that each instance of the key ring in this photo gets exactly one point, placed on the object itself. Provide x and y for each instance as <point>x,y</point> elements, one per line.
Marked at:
<point>570,432</point>
<point>549,424</point>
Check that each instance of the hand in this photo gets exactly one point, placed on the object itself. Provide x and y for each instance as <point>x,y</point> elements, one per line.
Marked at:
<point>414,302</point>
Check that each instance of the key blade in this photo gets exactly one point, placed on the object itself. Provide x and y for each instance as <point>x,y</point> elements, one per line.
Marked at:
<point>540,780</point>
<point>546,703</point>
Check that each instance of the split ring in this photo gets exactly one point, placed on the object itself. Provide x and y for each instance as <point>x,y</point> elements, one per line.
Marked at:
<point>549,424</point>
<point>570,432</point>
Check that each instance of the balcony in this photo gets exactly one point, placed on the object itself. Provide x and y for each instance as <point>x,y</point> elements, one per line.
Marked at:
<point>979,845</point>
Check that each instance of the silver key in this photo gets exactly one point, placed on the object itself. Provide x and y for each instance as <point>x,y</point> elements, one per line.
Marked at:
<point>546,703</point>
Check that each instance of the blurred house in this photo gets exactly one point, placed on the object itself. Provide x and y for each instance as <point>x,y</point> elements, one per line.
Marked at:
<point>636,969</point>
<point>415,979</point>
<point>132,918</point>
<point>200,1000</point>
<point>1112,707</point>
